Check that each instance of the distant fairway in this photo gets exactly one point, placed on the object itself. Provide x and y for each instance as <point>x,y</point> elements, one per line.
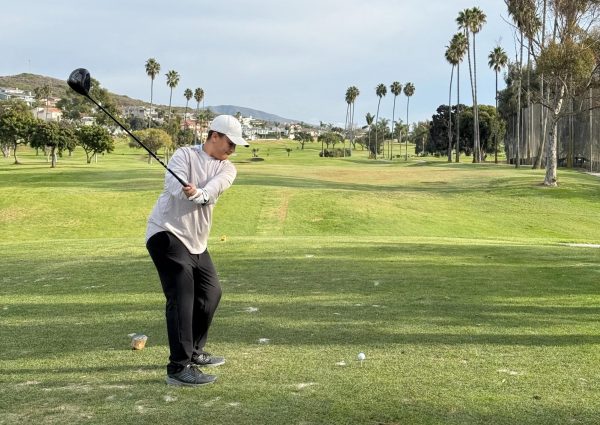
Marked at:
<point>455,280</point>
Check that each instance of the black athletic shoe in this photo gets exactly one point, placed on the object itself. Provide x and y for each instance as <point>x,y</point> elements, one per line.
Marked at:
<point>190,376</point>
<point>205,359</point>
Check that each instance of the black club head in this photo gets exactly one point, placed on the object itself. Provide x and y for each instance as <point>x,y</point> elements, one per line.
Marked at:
<point>79,80</point>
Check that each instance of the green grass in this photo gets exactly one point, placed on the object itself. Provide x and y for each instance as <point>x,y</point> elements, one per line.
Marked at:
<point>456,280</point>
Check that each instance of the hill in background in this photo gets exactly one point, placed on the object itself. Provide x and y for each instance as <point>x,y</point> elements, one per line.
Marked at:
<point>29,82</point>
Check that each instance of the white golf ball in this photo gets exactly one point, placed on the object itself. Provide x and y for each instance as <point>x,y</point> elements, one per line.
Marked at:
<point>361,356</point>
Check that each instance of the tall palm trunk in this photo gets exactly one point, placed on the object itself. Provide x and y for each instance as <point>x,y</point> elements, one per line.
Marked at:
<point>458,112</point>
<point>393,127</point>
<point>185,114</point>
<point>591,128</point>
<point>475,154</point>
<point>519,88</point>
<point>170,99</point>
<point>376,121</point>
<point>529,108</point>
<point>495,133</point>
<point>346,126</point>
<point>352,125</point>
<point>407,129</point>
<point>544,114</point>
<point>450,116</point>
<point>477,141</point>
<point>151,98</point>
<point>196,123</point>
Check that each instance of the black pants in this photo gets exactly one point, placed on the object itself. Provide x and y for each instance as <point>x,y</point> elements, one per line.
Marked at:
<point>192,293</point>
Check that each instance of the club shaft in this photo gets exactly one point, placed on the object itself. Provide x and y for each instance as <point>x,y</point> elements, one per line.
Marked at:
<point>180,180</point>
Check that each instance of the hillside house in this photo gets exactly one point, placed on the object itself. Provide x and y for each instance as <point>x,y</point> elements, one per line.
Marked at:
<point>8,93</point>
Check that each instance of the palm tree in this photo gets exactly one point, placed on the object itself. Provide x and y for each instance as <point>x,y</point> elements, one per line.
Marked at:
<point>472,21</point>
<point>380,91</point>
<point>409,90</point>
<point>152,69</point>
<point>172,81</point>
<point>498,59</point>
<point>348,108</point>
<point>524,15</point>
<point>459,45</point>
<point>544,116</point>
<point>369,119</point>
<point>198,96</point>
<point>396,89</point>
<point>354,93</point>
<point>187,93</point>
<point>452,58</point>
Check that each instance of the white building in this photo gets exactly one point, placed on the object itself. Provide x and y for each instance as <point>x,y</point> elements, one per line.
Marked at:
<point>47,114</point>
<point>140,112</point>
<point>26,96</point>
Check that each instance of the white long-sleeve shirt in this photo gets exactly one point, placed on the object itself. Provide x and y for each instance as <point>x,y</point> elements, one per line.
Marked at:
<point>174,213</point>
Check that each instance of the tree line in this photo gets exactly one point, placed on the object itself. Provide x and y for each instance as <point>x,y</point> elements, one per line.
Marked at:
<point>557,63</point>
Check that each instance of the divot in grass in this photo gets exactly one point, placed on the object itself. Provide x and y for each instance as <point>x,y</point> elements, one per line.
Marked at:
<point>510,372</point>
<point>249,310</point>
<point>27,383</point>
<point>303,385</point>
<point>209,403</point>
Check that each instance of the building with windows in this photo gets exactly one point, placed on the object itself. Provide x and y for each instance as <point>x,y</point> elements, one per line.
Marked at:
<point>26,96</point>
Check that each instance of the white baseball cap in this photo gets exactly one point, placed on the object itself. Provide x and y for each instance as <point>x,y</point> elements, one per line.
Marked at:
<point>229,126</point>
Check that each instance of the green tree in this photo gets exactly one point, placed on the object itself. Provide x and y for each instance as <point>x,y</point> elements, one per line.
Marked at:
<point>94,140</point>
<point>302,137</point>
<point>329,138</point>
<point>409,91</point>
<point>396,90</point>
<point>56,136</point>
<point>16,122</point>
<point>185,137</point>
<point>154,139</point>
<point>568,67</point>
<point>172,81</point>
<point>74,106</point>
<point>497,60</point>
<point>380,91</point>
<point>152,69</point>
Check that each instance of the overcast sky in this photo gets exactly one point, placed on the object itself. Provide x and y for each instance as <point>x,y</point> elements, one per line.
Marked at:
<point>294,59</point>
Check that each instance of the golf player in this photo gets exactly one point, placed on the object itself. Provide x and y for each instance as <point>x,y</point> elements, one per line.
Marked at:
<point>176,238</point>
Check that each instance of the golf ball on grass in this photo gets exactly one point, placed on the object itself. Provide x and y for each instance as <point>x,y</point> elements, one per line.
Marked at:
<point>361,356</point>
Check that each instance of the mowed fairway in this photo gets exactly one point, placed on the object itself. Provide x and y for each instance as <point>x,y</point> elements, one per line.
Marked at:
<point>459,282</point>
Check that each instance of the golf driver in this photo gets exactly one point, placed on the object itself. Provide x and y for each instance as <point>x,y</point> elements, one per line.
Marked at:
<point>80,81</point>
